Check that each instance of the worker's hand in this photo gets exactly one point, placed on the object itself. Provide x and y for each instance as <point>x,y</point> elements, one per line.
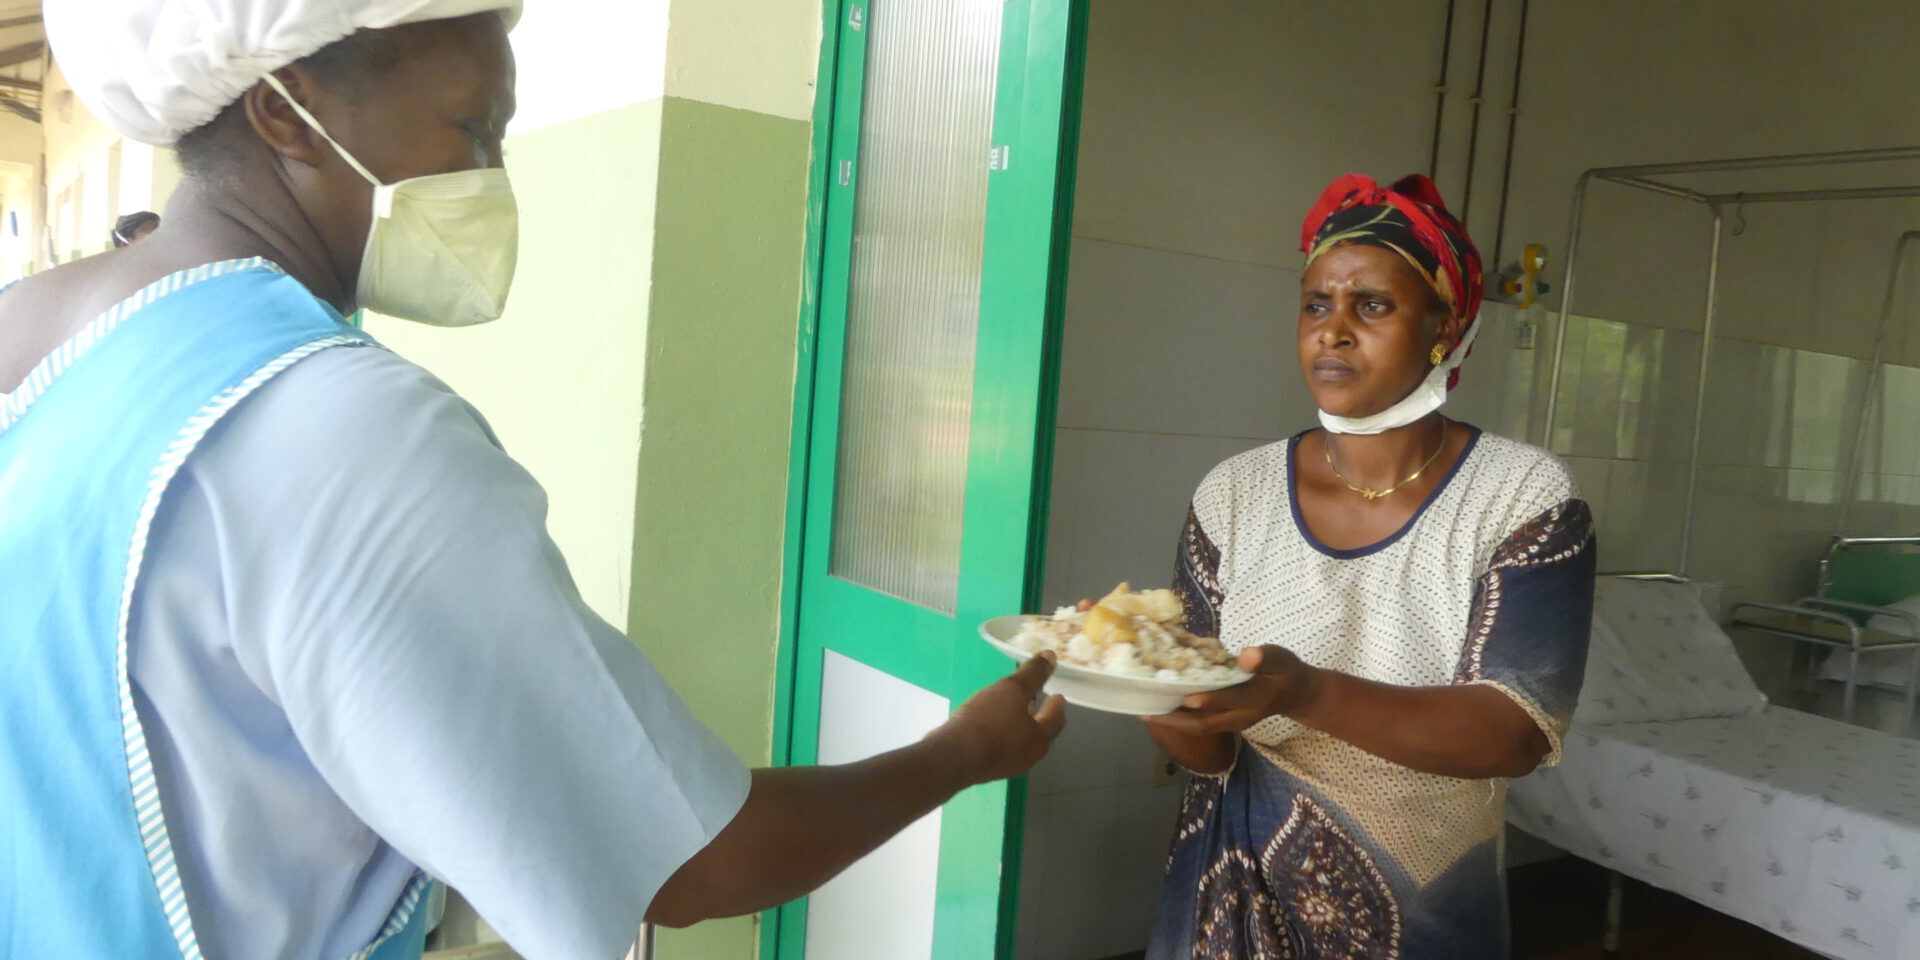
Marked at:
<point>1282,684</point>
<point>999,732</point>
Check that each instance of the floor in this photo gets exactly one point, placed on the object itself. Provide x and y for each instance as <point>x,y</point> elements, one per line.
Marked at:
<point>492,951</point>
<point>1558,908</point>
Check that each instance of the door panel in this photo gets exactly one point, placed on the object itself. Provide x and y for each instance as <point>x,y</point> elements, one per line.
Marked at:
<point>942,207</point>
<point>884,905</point>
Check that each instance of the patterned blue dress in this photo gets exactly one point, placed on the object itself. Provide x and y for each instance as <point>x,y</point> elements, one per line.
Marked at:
<point>1310,848</point>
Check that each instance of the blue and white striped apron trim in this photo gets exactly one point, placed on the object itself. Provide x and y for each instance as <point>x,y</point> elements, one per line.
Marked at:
<point>14,405</point>
<point>145,790</point>
<point>411,902</point>
<point>146,795</point>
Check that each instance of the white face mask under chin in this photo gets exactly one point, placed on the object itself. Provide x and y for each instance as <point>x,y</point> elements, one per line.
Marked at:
<point>1425,398</point>
<point>441,249</point>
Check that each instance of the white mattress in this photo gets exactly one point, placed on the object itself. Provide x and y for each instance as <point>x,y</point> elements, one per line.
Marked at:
<point>1802,825</point>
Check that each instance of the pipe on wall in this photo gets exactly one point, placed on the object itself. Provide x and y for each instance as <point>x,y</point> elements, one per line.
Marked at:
<point>1440,93</point>
<point>1513,124</point>
<point>1473,127</point>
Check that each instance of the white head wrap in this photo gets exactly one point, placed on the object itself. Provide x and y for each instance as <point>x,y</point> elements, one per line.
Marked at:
<point>154,70</point>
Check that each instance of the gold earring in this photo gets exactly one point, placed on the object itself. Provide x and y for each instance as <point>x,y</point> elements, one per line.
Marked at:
<point>1439,354</point>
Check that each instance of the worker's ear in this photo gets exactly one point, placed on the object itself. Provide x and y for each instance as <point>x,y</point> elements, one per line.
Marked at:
<point>276,123</point>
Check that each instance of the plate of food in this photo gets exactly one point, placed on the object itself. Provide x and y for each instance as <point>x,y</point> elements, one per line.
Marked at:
<point>1127,653</point>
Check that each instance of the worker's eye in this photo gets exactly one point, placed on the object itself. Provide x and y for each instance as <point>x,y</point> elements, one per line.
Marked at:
<point>482,134</point>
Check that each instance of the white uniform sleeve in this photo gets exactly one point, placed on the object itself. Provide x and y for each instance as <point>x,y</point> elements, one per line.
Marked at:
<point>403,604</point>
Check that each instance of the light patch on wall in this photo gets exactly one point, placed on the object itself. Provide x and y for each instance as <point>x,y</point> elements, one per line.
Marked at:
<point>577,58</point>
<point>558,377</point>
<point>80,162</point>
<point>709,47</point>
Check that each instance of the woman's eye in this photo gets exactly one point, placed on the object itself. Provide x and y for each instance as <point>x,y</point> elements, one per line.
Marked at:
<point>1377,307</point>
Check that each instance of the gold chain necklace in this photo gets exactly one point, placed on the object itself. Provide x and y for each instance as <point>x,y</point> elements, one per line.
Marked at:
<point>1369,492</point>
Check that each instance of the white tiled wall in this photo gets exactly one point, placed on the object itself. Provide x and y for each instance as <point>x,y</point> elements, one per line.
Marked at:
<point>1211,341</point>
<point>1096,843</point>
<point>1174,362</point>
<point>1206,135</point>
<point>1777,425</point>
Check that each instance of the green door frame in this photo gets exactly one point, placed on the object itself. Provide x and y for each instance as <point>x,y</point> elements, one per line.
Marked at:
<point>1029,224</point>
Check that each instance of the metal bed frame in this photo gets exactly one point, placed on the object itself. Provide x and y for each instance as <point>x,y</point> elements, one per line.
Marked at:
<point>1847,620</point>
<point>1616,882</point>
<point>1645,177</point>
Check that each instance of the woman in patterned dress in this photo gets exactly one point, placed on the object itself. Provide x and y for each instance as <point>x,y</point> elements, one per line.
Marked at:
<point>1413,597</point>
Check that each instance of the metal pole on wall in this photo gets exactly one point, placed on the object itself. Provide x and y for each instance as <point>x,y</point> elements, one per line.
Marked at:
<point>1566,305</point>
<point>1700,393</point>
<point>1870,400</point>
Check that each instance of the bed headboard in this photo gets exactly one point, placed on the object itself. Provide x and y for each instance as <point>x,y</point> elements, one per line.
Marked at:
<point>1656,575</point>
<point>1657,654</point>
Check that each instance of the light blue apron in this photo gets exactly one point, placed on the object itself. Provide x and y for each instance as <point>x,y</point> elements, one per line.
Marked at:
<point>88,445</point>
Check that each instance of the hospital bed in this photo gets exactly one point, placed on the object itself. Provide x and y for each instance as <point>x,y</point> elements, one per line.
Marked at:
<point>1678,773</point>
<point>1859,607</point>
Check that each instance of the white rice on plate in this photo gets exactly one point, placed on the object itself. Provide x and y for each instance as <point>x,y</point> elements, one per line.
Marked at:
<point>1136,635</point>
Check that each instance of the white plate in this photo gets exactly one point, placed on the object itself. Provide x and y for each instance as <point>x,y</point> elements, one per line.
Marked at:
<point>1098,689</point>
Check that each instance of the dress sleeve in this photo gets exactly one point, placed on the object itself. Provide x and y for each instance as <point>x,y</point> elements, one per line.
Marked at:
<point>1532,616</point>
<point>401,601</point>
<point>1196,581</point>
<point>1196,578</point>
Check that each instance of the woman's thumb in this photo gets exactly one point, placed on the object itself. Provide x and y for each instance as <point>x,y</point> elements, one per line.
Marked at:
<point>1263,659</point>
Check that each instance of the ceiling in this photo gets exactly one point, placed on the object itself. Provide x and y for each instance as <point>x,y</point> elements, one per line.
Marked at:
<point>22,58</point>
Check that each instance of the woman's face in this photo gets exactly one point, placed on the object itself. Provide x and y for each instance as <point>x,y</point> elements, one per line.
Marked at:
<point>1368,323</point>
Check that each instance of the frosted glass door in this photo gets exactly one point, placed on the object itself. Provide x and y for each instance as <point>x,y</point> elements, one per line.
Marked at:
<point>913,298</point>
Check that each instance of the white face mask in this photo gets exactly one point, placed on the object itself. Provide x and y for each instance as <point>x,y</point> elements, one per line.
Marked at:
<point>1425,398</point>
<point>442,248</point>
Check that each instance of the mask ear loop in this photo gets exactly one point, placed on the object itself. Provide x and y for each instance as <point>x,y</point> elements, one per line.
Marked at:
<point>1458,355</point>
<point>311,121</point>
<point>220,27</point>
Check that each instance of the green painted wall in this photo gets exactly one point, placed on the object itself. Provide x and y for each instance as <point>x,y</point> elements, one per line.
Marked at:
<point>560,376</point>
<point>709,504</point>
<point>644,375</point>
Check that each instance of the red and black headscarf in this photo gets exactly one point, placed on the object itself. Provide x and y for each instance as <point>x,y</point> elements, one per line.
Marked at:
<point>1409,219</point>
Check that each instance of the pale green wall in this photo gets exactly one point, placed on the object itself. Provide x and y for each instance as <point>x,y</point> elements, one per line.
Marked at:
<point>711,492</point>
<point>720,368</point>
<point>560,376</point>
<point>644,375</point>
<point>720,364</point>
